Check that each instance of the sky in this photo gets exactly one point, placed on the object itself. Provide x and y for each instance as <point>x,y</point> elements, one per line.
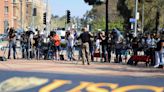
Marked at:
<point>77,7</point>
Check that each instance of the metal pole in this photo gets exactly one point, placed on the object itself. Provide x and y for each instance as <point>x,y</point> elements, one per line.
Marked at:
<point>21,14</point>
<point>143,13</point>
<point>106,18</point>
<point>47,18</point>
<point>136,10</point>
<point>33,15</point>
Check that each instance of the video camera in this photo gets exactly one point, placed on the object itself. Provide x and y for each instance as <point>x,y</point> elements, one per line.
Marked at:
<point>28,33</point>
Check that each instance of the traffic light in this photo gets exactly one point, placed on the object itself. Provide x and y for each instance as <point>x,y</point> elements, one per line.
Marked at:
<point>68,16</point>
<point>94,2</point>
<point>44,18</point>
<point>90,2</point>
<point>34,12</point>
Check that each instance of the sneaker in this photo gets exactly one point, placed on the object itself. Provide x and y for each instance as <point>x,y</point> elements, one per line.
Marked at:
<point>156,66</point>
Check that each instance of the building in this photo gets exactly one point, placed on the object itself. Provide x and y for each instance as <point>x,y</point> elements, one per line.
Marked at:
<point>19,14</point>
<point>6,16</point>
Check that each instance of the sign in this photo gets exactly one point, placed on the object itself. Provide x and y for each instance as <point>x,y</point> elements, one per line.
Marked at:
<point>138,16</point>
<point>132,20</point>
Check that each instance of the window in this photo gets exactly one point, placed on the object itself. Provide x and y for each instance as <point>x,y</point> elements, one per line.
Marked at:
<point>14,1</point>
<point>6,9</point>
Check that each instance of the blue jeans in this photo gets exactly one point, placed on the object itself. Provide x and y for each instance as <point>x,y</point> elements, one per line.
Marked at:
<point>70,52</point>
<point>161,57</point>
<point>12,45</point>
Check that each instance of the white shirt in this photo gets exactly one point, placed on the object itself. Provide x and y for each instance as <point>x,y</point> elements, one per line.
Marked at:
<point>70,40</point>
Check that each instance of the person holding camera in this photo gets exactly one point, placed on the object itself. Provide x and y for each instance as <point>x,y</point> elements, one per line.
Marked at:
<point>12,42</point>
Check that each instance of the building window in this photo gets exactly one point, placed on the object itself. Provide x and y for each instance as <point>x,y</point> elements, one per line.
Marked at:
<point>14,1</point>
<point>6,9</point>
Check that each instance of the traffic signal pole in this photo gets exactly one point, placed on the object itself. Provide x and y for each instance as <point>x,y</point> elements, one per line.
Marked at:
<point>136,10</point>
<point>46,19</point>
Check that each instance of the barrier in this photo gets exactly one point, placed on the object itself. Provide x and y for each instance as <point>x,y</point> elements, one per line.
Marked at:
<point>135,59</point>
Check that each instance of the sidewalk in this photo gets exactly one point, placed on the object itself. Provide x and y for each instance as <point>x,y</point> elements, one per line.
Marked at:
<point>71,67</point>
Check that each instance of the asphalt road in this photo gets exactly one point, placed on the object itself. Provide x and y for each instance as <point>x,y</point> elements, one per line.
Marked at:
<point>13,81</point>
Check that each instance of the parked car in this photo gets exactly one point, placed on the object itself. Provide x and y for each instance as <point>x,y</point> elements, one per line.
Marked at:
<point>61,33</point>
<point>3,37</point>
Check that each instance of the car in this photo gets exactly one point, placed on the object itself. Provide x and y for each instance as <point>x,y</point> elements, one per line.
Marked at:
<point>3,37</point>
<point>61,33</point>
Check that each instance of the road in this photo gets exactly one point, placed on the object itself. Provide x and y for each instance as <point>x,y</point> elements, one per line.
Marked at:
<point>69,76</point>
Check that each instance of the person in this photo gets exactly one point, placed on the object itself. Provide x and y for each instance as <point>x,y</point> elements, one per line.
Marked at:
<point>23,42</point>
<point>57,40</point>
<point>70,44</point>
<point>12,42</point>
<point>104,44</point>
<point>135,45</point>
<point>159,54</point>
<point>29,37</point>
<point>118,43</point>
<point>85,38</point>
<point>37,39</point>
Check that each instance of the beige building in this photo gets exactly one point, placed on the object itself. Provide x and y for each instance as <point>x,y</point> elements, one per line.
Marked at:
<point>18,14</point>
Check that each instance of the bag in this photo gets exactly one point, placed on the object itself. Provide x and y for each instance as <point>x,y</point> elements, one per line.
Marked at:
<point>2,58</point>
<point>61,57</point>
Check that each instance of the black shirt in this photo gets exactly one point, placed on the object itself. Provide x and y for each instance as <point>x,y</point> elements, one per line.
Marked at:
<point>85,37</point>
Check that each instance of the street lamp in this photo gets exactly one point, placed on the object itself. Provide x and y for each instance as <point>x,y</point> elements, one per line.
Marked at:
<point>143,14</point>
<point>106,31</point>
<point>136,11</point>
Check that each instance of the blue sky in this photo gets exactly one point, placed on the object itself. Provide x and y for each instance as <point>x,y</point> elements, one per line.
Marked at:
<point>77,7</point>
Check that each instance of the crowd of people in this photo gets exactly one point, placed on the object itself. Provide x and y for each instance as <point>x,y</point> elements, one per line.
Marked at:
<point>87,43</point>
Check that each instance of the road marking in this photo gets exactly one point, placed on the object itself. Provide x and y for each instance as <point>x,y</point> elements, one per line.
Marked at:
<point>97,87</point>
<point>54,85</point>
<point>80,87</point>
<point>139,87</point>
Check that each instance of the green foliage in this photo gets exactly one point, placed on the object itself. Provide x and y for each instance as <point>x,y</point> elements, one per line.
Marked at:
<point>99,24</point>
<point>58,22</point>
<point>118,24</point>
<point>121,10</point>
<point>150,12</point>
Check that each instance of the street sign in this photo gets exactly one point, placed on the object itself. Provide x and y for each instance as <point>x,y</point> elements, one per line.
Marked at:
<point>132,20</point>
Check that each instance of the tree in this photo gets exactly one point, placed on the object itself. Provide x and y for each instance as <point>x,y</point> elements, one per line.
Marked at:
<point>151,7</point>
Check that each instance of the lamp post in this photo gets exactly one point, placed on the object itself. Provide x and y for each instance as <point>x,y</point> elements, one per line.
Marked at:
<point>143,15</point>
<point>106,5</point>
<point>136,11</point>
